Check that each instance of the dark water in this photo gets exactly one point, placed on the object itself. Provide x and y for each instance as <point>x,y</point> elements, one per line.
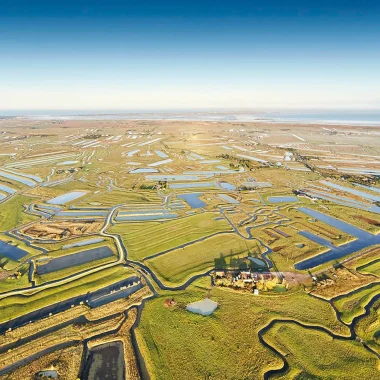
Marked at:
<point>106,362</point>
<point>75,259</point>
<point>12,252</point>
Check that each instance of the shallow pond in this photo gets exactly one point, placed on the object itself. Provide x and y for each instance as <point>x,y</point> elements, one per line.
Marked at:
<point>283,199</point>
<point>7,189</point>
<point>74,259</point>
<point>12,252</point>
<point>192,200</point>
<point>143,170</point>
<point>227,186</point>
<point>364,239</point>
<point>161,154</point>
<point>205,307</point>
<point>352,191</point>
<point>67,163</point>
<point>16,178</point>
<point>339,224</point>
<point>83,243</point>
<point>68,197</point>
<point>106,361</point>
<point>228,199</point>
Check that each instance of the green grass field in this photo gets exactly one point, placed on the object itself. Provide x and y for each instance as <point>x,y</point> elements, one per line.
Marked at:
<point>14,306</point>
<point>313,354</point>
<point>12,213</point>
<point>352,305</point>
<point>178,265</point>
<point>368,328</point>
<point>148,238</point>
<point>9,284</point>
<point>224,345</point>
<point>372,267</point>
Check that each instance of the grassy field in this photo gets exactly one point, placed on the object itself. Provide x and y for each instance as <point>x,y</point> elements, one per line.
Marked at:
<point>8,284</point>
<point>224,345</point>
<point>368,328</point>
<point>118,197</point>
<point>352,305</point>
<point>12,213</point>
<point>14,306</point>
<point>67,361</point>
<point>371,268</point>
<point>178,265</point>
<point>148,238</point>
<point>313,354</point>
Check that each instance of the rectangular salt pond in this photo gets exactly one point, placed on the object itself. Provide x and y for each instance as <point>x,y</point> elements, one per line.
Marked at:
<point>161,154</point>
<point>68,197</point>
<point>70,214</point>
<point>375,189</point>
<point>83,243</point>
<point>75,259</point>
<point>228,199</point>
<point>7,189</point>
<point>158,163</point>
<point>227,186</point>
<point>339,224</point>
<point>192,200</point>
<point>67,163</point>
<point>16,178</point>
<point>143,170</point>
<point>2,196</point>
<point>283,199</point>
<point>31,176</point>
<point>353,191</point>
<point>191,185</point>
<point>12,252</point>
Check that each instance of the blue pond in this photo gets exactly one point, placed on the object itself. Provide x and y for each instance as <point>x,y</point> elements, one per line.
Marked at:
<point>339,224</point>
<point>192,200</point>
<point>7,189</point>
<point>12,252</point>
<point>364,239</point>
<point>83,243</point>
<point>16,178</point>
<point>68,197</point>
<point>161,154</point>
<point>283,199</point>
<point>352,191</point>
<point>143,170</point>
<point>227,186</point>
<point>228,199</point>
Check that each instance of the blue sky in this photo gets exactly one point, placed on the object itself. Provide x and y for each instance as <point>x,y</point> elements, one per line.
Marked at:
<point>178,54</point>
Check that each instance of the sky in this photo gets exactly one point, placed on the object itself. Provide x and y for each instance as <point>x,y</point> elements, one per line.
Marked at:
<point>136,54</point>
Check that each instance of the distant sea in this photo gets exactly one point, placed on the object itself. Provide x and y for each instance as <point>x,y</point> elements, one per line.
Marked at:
<point>341,117</point>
